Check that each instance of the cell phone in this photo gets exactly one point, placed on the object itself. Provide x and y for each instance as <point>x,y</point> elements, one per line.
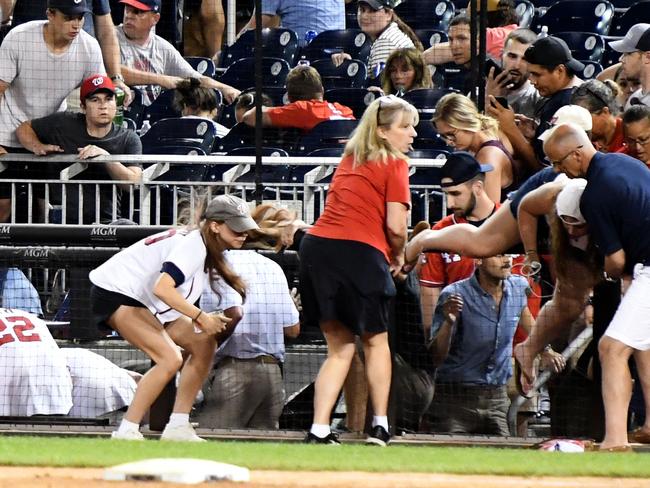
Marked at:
<point>502,100</point>
<point>491,63</point>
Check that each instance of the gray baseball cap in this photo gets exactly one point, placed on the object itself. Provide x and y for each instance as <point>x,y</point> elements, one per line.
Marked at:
<point>629,42</point>
<point>380,4</point>
<point>231,210</point>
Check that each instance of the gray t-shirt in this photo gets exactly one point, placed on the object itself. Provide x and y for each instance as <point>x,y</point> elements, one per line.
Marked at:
<point>39,81</point>
<point>68,130</point>
<point>526,100</point>
<point>158,56</point>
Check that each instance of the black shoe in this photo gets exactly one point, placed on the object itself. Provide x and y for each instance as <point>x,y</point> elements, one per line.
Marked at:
<point>331,438</point>
<point>378,436</point>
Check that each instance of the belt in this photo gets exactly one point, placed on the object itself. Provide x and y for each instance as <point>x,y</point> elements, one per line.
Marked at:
<point>264,359</point>
<point>486,391</point>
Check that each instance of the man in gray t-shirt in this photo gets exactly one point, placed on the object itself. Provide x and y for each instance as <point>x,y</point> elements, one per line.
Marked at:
<point>149,61</point>
<point>41,62</point>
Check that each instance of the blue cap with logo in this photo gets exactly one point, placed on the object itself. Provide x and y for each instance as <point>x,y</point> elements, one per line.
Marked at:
<point>144,5</point>
<point>69,7</point>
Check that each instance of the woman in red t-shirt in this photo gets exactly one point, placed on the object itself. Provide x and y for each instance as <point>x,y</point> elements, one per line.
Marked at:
<point>347,259</point>
<point>600,98</point>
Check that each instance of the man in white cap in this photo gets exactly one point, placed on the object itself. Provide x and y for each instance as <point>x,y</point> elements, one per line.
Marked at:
<point>631,60</point>
<point>616,205</point>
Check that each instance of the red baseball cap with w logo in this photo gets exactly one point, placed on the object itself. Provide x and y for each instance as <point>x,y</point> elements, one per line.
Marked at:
<point>96,83</point>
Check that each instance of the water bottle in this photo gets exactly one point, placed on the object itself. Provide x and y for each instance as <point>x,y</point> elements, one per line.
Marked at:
<point>119,102</point>
<point>309,36</point>
<point>543,33</point>
<point>146,125</point>
<point>400,91</point>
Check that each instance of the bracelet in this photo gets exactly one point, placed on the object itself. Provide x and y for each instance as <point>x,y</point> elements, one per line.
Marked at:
<point>117,78</point>
<point>198,315</point>
<point>531,251</point>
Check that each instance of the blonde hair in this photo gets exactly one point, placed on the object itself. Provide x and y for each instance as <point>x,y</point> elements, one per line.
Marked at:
<point>365,140</point>
<point>271,220</point>
<point>460,113</point>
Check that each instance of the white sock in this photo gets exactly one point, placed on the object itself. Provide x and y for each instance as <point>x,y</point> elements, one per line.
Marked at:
<point>126,426</point>
<point>176,419</point>
<point>380,420</point>
<point>320,430</point>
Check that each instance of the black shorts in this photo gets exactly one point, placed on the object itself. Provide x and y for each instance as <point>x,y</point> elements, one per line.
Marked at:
<point>104,303</point>
<point>348,281</point>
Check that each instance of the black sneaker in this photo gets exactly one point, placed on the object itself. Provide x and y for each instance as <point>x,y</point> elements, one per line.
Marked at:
<point>331,438</point>
<point>378,436</point>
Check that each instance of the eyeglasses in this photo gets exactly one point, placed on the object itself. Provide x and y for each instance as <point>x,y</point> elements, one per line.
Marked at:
<point>559,162</point>
<point>641,141</point>
<point>387,100</point>
<point>636,101</point>
<point>449,136</point>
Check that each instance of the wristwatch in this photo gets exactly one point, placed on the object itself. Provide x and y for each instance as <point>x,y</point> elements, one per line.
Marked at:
<point>117,78</point>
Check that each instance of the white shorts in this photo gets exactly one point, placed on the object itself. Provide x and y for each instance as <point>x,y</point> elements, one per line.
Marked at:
<point>631,323</point>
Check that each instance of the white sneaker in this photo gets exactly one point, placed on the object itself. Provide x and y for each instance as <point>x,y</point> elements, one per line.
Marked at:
<point>181,433</point>
<point>128,435</point>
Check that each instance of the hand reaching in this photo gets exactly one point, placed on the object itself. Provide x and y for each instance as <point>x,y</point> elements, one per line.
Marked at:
<point>452,308</point>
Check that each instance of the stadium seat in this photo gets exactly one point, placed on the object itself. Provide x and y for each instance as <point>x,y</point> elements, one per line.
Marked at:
<point>584,45</point>
<point>591,70</point>
<point>331,133</point>
<point>351,21</point>
<point>135,110</point>
<point>351,41</point>
<point>128,123</point>
<point>525,12</point>
<point>190,132</point>
<point>161,108</point>
<point>270,173</point>
<point>205,66</point>
<point>243,135</point>
<point>355,98</point>
<point>241,74</point>
<point>276,43</point>
<point>277,94</point>
<point>451,75</point>
<point>639,12</point>
<point>577,16</point>
<point>609,56</point>
<point>428,138</point>
<point>227,115</point>
<point>427,14</point>
<point>352,73</point>
<point>429,37</point>
<point>425,99</point>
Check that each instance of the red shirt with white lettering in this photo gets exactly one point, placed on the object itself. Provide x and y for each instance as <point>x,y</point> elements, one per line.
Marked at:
<point>306,114</point>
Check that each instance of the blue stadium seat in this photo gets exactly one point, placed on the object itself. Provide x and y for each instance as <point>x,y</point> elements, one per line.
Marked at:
<point>331,133</point>
<point>525,12</point>
<point>355,98</point>
<point>451,75</point>
<point>161,108</point>
<point>189,132</point>
<point>584,45</point>
<point>609,57</point>
<point>135,110</point>
<point>591,70</point>
<point>241,74</point>
<point>428,138</point>
<point>351,41</point>
<point>638,13</point>
<point>227,115</point>
<point>278,94</point>
<point>427,14</point>
<point>425,99</point>
<point>352,73</point>
<point>128,123</point>
<point>429,37</point>
<point>577,16</point>
<point>351,21</point>
<point>243,135</point>
<point>276,43</point>
<point>270,173</point>
<point>205,66</point>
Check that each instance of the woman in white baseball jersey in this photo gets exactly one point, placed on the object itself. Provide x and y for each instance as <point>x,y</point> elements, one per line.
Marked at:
<point>147,294</point>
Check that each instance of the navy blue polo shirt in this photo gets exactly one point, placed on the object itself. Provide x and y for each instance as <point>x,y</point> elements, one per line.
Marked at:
<point>545,114</point>
<point>616,205</point>
<point>540,178</point>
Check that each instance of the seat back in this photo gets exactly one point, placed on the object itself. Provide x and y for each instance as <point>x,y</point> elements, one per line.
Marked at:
<point>638,13</point>
<point>425,99</point>
<point>428,138</point>
<point>351,41</point>
<point>161,108</point>
<point>331,133</point>
<point>430,37</point>
<point>584,45</point>
<point>591,70</point>
<point>243,135</point>
<point>577,16</point>
<point>276,43</point>
<point>187,131</point>
<point>352,73</point>
<point>355,98</point>
<point>241,73</point>
<point>525,12</point>
<point>271,173</point>
<point>204,66</point>
<point>427,14</point>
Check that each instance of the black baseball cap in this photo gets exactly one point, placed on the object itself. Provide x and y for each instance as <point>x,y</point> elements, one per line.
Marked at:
<point>644,41</point>
<point>380,4</point>
<point>69,7</point>
<point>460,167</point>
<point>552,51</point>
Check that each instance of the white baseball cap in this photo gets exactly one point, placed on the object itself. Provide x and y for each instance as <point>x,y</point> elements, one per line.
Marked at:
<point>567,203</point>
<point>569,114</point>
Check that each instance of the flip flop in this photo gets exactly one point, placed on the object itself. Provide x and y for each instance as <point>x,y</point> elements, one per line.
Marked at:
<point>623,448</point>
<point>640,435</point>
<point>519,373</point>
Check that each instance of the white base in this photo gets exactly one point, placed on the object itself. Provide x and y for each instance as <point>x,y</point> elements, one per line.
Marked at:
<point>188,471</point>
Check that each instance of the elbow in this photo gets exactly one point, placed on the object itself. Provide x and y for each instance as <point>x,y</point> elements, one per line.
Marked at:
<point>292,332</point>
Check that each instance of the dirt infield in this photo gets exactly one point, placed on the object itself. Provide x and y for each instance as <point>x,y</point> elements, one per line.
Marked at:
<point>92,478</point>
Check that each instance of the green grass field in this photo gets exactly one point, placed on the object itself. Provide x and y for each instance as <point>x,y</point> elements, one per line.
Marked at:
<point>96,452</point>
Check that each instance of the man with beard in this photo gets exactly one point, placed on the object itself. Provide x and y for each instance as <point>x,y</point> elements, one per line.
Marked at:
<point>513,83</point>
<point>471,345</point>
<point>463,181</point>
